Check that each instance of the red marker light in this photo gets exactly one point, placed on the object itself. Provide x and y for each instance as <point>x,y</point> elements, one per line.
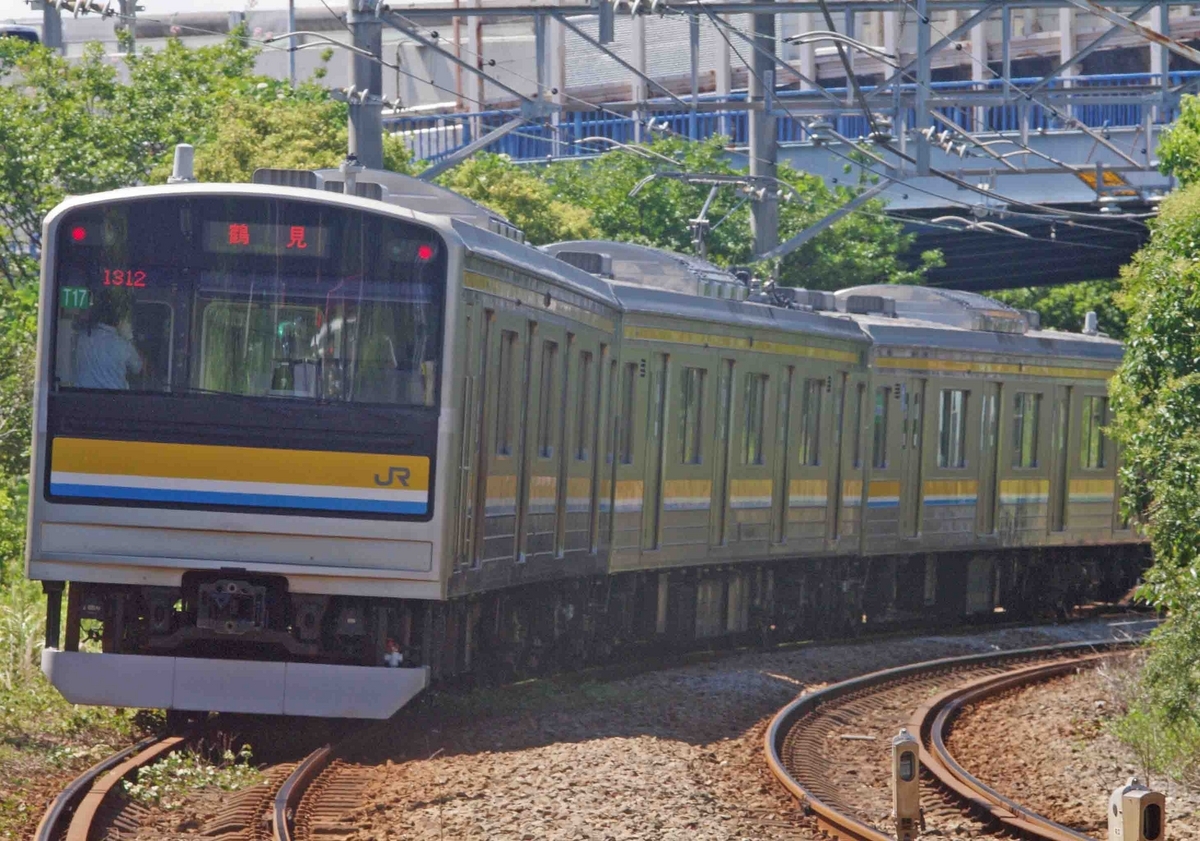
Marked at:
<point>424,252</point>
<point>79,233</point>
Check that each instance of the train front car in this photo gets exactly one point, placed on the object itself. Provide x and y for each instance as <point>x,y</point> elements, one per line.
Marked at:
<point>237,430</point>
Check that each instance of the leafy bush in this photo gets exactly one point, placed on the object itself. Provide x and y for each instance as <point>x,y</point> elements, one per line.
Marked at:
<point>1156,395</point>
<point>169,781</point>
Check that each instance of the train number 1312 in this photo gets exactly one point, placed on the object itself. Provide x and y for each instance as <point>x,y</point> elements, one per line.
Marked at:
<point>124,277</point>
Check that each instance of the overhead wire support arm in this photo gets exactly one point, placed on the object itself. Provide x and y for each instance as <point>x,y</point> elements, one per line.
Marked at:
<point>787,247</point>
<point>460,155</point>
<point>1164,40</point>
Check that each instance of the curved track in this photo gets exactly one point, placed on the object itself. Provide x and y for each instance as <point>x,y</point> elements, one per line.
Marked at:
<point>296,800</point>
<point>811,744</point>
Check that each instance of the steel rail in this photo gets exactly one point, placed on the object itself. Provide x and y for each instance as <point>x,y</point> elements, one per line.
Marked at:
<point>73,812</point>
<point>849,827</point>
<point>933,721</point>
<point>63,806</point>
<point>288,798</point>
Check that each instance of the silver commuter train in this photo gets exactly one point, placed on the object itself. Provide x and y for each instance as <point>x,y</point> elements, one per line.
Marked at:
<point>301,452</point>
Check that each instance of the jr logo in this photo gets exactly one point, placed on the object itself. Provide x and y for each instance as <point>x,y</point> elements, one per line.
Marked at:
<point>395,474</point>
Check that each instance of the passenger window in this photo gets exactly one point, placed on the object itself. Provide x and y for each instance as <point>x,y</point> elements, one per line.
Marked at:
<point>627,395</point>
<point>584,409</point>
<point>693,405</point>
<point>546,413</point>
<point>879,428</point>
<point>506,385</point>
<point>752,429</point>
<point>810,423</point>
<point>1026,406</point>
<point>1095,415</point>
<point>952,428</point>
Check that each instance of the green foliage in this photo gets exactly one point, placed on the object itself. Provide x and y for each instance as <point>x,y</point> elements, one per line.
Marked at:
<point>865,247</point>
<point>1179,145</point>
<point>168,782</point>
<point>1156,395</point>
<point>520,196</point>
<point>1064,307</point>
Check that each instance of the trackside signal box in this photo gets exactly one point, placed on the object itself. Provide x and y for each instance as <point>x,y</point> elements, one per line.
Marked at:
<point>1135,813</point>
<point>906,785</point>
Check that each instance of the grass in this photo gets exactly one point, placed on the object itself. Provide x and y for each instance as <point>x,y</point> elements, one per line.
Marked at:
<point>1165,746</point>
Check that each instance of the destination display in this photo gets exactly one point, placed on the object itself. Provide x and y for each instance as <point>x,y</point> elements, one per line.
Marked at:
<point>276,240</point>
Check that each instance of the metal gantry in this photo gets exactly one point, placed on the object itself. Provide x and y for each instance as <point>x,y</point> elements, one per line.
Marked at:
<point>918,133</point>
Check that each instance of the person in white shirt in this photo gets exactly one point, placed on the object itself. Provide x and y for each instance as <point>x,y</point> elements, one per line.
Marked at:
<point>105,355</point>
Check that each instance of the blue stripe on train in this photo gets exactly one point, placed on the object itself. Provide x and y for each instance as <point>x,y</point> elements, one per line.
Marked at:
<point>240,499</point>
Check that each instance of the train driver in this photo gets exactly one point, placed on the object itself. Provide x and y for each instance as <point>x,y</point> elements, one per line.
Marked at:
<point>105,355</point>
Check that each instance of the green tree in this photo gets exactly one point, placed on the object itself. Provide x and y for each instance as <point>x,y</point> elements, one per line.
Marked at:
<point>1156,395</point>
<point>520,196</point>
<point>865,247</point>
<point>1179,145</point>
<point>1065,307</point>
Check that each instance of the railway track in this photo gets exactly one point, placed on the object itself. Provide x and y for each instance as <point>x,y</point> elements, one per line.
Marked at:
<point>297,800</point>
<point>831,748</point>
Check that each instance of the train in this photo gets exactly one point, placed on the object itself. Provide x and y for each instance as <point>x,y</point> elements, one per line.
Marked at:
<point>306,445</point>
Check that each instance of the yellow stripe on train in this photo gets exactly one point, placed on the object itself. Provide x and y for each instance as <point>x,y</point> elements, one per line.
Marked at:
<point>238,464</point>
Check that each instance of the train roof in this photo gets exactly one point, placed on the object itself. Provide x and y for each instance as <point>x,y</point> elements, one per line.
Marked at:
<point>646,300</point>
<point>645,266</point>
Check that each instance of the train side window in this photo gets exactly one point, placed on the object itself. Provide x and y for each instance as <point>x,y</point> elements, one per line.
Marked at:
<point>628,382</point>
<point>879,458</point>
<point>952,428</point>
<point>859,394</point>
<point>506,385</point>
<point>752,429</point>
<point>1095,415</point>
<point>1026,409</point>
<point>546,404</point>
<point>584,409</point>
<point>693,404</point>
<point>810,423</point>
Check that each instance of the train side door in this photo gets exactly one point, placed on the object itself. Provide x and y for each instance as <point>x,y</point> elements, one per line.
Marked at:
<point>1059,459</point>
<point>656,433</point>
<point>724,434</point>
<point>834,494</point>
<point>472,469</point>
<point>544,447</point>
<point>781,504</point>
<point>989,455</point>
<point>912,401</point>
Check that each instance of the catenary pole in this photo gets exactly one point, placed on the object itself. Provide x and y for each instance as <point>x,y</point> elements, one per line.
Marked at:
<point>764,216</point>
<point>366,80</point>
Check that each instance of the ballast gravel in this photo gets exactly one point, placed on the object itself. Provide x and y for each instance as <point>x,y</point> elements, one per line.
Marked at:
<point>1049,747</point>
<point>674,754</point>
<point>668,754</point>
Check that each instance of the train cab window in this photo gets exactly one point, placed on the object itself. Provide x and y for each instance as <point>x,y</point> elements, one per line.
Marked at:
<point>1026,409</point>
<point>628,393</point>
<point>690,426</point>
<point>752,429</point>
<point>584,409</point>
<point>504,398</point>
<point>546,402</point>
<point>879,424</point>
<point>810,423</point>
<point>952,428</point>
<point>1095,415</point>
<point>254,298</point>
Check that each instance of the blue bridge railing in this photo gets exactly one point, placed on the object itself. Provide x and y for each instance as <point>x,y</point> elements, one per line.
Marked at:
<point>434,136</point>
